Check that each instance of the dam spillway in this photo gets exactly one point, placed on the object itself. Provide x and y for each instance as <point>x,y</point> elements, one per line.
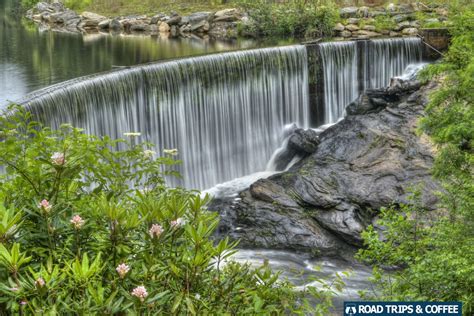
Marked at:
<point>224,113</point>
<point>348,68</point>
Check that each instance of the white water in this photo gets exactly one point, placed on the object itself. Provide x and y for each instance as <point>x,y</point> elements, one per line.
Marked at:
<point>224,113</point>
<point>341,85</point>
<point>302,271</point>
<point>388,58</point>
<point>377,61</point>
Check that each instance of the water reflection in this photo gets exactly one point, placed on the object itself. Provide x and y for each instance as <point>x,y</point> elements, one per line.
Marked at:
<point>30,59</point>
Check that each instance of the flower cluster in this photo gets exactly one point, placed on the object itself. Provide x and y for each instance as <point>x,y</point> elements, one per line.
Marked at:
<point>155,230</point>
<point>177,222</point>
<point>58,159</point>
<point>77,221</point>
<point>140,292</point>
<point>148,153</point>
<point>40,282</point>
<point>172,152</point>
<point>122,269</point>
<point>45,206</point>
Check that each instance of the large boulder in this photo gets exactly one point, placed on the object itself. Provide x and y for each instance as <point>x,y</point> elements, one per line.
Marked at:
<point>323,202</point>
<point>410,31</point>
<point>227,15</point>
<point>173,20</point>
<point>304,141</point>
<point>348,12</point>
<point>91,20</point>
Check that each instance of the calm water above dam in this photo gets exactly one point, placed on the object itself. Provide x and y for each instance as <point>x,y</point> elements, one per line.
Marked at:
<point>30,59</point>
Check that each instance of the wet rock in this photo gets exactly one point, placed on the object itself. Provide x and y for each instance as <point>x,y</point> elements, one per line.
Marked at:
<point>269,191</point>
<point>348,12</point>
<point>323,202</point>
<point>304,141</point>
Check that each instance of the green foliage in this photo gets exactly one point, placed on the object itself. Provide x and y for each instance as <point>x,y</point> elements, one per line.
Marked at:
<point>434,257</point>
<point>85,229</point>
<point>28,4</point>
<point>78,5</point>
<point>384,22</point>
<point>300,18</point>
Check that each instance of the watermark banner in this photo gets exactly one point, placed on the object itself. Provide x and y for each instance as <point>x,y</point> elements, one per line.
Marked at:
<point>403,308</point>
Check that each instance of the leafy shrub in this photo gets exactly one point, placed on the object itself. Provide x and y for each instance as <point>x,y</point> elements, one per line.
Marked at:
<point>293,18</point>
<point>85,229</point>
<point>384,22</point>
<point>435,259</point>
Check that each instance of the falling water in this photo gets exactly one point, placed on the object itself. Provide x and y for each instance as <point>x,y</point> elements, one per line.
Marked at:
<point>389,58</point>
<point>351,67</point>
<point>224,112</point>
<point>340,69</point>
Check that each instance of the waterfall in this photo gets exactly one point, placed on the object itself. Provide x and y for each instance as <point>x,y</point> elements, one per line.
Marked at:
<point>389,58</point>
<point>339,60</point>
<point>351,67</point>
<point>224,113</point>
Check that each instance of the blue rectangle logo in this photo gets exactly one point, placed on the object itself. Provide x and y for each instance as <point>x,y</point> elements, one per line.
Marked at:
<point>403,308</point>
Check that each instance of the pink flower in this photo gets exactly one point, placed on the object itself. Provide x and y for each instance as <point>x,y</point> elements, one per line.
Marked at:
<point>14,289</point>
<point>23,303</point>
<point>122,269</point>
<point>58,159</point>
<point>140,292</point>
<point>40,282</point>
<point>155,230</point>
<point>177,223</point>
<point>44,205</point>
<point>77,221</point>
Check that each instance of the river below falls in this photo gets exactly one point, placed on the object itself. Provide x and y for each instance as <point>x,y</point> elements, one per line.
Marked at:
<point>302,271</point>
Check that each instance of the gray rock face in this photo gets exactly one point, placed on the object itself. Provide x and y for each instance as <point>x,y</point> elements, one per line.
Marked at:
<point>348,12</point>
<point>323,202</point>
<point>304,141</point>
<point>90,19</point>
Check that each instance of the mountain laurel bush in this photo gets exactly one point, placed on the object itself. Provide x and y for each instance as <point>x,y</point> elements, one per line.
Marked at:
<point>88,229</point>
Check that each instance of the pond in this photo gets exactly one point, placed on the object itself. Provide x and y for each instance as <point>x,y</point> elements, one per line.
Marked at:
<point>30,59</point>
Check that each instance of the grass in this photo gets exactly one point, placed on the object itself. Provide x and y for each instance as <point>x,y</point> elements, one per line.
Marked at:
<point>151,7</point>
